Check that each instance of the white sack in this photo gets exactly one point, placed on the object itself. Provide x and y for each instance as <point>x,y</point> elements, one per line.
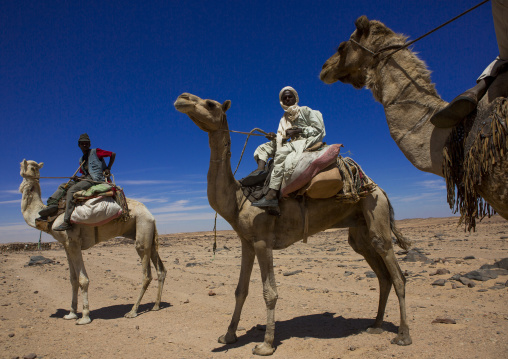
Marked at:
<point>96,211</point>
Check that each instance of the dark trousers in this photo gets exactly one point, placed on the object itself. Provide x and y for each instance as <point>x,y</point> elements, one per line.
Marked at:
<point>69,193</point>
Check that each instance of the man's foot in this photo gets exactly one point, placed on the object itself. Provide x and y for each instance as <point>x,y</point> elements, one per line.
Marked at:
<point>455,111</point>
<point>255,177</point>
<point>461,106</point>
<point>48,211</point>
<point>63,227</point>
<point>266,203</point>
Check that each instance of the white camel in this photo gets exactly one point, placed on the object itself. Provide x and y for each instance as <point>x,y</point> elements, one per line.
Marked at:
<point>139,227</point>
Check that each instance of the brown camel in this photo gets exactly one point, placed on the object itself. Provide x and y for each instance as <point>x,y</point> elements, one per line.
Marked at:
<point>139,227</point>
<point>401,82</point>
<point>370,223</point>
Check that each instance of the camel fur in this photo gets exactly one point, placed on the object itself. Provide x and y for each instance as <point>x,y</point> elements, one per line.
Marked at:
<point>370,222</point>
<point>401,82</point>
<point>139,227</point>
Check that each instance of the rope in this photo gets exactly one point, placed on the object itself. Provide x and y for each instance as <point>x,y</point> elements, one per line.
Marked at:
<point>417,39</point>
<point>53,177</point>
<point>435,29</point>
<point>86,179</point>
<point>251,133</point>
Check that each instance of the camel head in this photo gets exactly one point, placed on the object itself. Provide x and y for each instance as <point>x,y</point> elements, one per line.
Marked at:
<point>208,115</point>
<point>351,61</point>
<point>30,169</point>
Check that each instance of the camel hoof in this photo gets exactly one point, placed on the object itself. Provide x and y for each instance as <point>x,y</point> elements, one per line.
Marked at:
<point>70,316</point>
<point>402,340</point>
<point>84,320</point>
<point>131,315</point>
<point>263,349</point>
<point>156,307</point>
<point>375,330</point>
<point>228,338</point>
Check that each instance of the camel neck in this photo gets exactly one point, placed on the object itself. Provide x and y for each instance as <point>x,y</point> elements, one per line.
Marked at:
<point>223,189</point>
<point>31,202</point>
<point>402,84</point>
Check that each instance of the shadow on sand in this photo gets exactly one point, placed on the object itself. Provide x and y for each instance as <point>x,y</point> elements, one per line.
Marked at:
<point>320,326</point>
<point>113,311</point>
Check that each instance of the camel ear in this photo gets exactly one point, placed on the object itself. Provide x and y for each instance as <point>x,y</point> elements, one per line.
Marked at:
<point>41,164</point>
<point>362,25</point>
<point>24,164</point>
<point>226,105</point>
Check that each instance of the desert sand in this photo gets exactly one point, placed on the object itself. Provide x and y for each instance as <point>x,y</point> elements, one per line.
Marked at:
<point>327,298</point>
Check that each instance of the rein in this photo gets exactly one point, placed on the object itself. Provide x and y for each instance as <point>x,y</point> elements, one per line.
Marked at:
<point>402,47</point>
<point>251,133</point>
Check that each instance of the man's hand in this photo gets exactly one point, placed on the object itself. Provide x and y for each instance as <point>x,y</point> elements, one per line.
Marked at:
<point>271,136</point>
<point>106,172</point>
<point>293,132</point>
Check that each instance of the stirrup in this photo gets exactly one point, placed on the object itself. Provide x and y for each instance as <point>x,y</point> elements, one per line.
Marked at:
<point>266,203</point>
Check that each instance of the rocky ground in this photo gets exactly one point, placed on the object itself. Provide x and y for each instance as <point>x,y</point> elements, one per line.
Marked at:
<point>327,298</point>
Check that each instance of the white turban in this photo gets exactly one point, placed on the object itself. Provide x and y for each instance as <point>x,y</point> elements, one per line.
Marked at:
<point>290,114</point>
<point>288,88</point>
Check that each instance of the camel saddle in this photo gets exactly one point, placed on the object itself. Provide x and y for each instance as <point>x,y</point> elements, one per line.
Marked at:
<point>321,179</point>
<point>83,196</point>
<point>47,224</point>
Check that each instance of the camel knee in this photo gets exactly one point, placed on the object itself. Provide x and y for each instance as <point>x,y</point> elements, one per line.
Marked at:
<point>270,297</point>
<point>380,245</point>
<point>241,293</point>
<point>147,279</point>
<point>141,248</point>
<point>83,282</point>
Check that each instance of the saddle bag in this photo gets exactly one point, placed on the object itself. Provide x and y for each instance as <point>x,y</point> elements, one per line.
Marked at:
<point>325,184</point>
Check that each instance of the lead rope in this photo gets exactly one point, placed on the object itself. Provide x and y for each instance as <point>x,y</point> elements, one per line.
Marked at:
<point>417,39</point>
<point>251,133</point>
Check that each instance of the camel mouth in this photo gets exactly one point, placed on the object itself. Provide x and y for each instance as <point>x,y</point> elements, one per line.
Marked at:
<point>183,105</point>
<point>326,76</point>
<point>329,77</point>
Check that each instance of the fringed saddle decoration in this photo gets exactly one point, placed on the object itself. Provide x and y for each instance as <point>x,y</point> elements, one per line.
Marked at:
<point>122,201</point>
<point>356,183</point>
<point>472,150</point>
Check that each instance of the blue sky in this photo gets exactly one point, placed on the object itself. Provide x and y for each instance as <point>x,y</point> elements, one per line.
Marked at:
<point>114,68</point>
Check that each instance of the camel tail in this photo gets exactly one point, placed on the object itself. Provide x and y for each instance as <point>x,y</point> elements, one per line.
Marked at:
<point>402,241</point>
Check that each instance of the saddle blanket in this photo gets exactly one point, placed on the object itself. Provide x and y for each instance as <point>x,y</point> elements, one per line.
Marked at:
<point>309,165</point>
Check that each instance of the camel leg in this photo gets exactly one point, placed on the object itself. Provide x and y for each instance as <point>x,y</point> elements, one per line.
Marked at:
<point>241,292</point>
<point>399,282</point>
<point>265,259</point>
<point>75,285</point>
<point>76,257</point>
<point>357,240</point>
<point>161,276</point>
<point>376,210</point>
<point>147,277</point>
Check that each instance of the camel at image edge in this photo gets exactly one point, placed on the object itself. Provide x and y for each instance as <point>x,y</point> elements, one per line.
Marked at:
<point>140,227</point>
<point>403,86</point>
<point>370,223</point>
